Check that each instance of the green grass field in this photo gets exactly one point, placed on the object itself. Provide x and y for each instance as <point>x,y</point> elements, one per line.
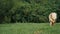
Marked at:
<point>29,28</point>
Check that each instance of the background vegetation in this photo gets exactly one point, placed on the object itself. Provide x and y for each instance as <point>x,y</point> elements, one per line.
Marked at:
<point>37,11</point>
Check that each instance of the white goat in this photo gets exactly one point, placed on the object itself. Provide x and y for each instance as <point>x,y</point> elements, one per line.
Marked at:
<point>52,18</point>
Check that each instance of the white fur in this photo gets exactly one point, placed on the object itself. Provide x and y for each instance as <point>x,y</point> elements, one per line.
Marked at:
<point>52,18</point>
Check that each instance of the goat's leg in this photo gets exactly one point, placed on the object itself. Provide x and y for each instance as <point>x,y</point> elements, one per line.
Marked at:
<point>50,23</point>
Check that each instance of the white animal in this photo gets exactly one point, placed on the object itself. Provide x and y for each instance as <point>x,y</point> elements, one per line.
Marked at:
<point>52,18</point>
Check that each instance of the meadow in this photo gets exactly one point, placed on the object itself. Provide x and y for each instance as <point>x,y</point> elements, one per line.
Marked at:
<point>29,28</point>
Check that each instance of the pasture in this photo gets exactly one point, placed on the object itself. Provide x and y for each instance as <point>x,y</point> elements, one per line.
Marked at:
<point>29,28</point>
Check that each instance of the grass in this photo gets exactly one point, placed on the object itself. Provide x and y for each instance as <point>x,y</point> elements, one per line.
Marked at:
<point>29,28</point>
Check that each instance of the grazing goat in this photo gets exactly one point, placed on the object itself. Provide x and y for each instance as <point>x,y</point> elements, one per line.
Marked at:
<point>52,18</point>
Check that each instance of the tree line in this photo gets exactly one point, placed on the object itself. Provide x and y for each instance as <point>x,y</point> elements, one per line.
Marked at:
<point>28,11</point>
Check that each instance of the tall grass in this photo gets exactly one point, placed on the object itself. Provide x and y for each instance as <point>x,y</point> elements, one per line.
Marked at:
<point>29,28</point>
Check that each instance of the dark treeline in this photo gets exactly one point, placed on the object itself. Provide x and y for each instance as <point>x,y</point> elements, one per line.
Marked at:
<point>30,11</point>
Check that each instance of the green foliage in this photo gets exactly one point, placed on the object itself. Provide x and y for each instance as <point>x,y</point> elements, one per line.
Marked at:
<point>28,10</point>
